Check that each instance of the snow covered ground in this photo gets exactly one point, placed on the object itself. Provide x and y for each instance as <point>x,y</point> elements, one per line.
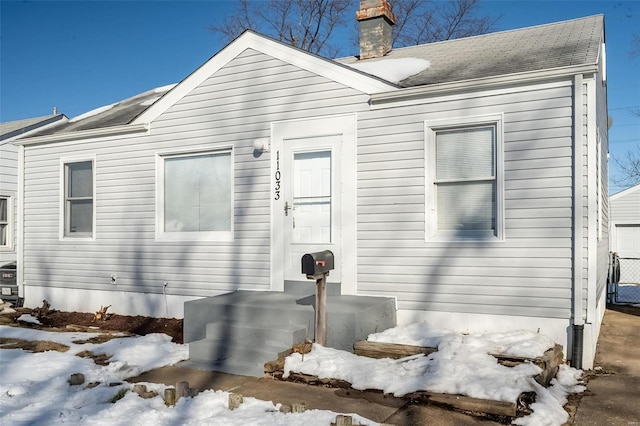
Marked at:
<point>35,389</point>
<point>462,365</point>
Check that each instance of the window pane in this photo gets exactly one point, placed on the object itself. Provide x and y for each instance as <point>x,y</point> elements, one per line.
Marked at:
<point>3,235</point>
<point>4,213</point>
<point>465,153</point>
<point>80,216</point>
<point>466,206</point>
<point>197,194</point>
<point>80,179</point>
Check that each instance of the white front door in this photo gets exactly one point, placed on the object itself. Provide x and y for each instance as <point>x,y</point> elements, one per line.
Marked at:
<point>313,203</point>
<point>311,194</point>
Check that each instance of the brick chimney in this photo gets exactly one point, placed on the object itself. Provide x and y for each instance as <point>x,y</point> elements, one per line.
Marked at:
<point>376,19</point>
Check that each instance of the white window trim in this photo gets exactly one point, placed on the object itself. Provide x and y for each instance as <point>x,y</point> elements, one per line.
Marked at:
<point>10,222</point>
<point>431,127</point>
<point>62,215</point>
<point>161,235</point>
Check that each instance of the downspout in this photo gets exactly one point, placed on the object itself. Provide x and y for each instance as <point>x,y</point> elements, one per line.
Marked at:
<point>20,224</point>
<point>577,320</point>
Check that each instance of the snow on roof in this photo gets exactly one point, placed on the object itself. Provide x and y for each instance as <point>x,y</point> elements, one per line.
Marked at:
<point>91,113</point>
<point>393,70</point>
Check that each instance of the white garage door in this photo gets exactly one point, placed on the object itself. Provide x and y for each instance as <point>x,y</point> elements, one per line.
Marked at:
<point>627,245</point>
<point>628,240</point>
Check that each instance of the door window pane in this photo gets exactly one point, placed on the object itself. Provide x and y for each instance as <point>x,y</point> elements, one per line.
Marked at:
<point>312,201</point>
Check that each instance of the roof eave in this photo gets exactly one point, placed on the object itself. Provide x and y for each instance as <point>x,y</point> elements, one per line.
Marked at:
<point>124,129</point>
<point>380,100</point>
<point>54,121</point>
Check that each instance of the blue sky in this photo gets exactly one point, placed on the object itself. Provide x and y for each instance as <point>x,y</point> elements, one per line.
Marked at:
<point>80,55</point>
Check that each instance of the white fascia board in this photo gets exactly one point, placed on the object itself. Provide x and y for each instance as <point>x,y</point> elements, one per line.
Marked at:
<point>416,94</point>
<point>85,134</point>
<point>250,40</point>
<point>625,192</point>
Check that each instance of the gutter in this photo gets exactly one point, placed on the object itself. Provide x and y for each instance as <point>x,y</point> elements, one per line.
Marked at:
<point>417,93</point>
<point>577,318</point>
<point>85,134</point>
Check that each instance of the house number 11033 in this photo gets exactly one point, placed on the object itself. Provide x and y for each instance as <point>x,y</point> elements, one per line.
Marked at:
<point>277,176</point>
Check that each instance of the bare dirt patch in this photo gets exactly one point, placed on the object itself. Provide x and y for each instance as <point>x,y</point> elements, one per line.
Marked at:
<point>32,345</point>
<point>85,321</point>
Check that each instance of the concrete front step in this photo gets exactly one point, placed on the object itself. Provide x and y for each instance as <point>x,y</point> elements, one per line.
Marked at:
<point>238,332</point>
<point>247,307</point>
<point>231,330</point>
<point>251,369</point>
<point>233,357</point>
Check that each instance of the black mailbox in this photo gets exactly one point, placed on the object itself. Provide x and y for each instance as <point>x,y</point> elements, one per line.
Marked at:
<point>317,263</point>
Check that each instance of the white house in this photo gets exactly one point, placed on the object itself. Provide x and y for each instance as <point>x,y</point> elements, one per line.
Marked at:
<point>469,188</point>
<point>10,131</point>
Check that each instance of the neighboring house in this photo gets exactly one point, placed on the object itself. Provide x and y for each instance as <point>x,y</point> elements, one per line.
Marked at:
<point>10,131</point>
<point>625,232</point>
<point>469,187</point>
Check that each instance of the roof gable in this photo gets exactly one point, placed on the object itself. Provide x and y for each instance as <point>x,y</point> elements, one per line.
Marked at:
<point>250,40</point>
<point>625,192</point>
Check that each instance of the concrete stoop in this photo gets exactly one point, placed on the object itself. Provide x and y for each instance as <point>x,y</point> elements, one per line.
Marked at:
<point>238,332</point>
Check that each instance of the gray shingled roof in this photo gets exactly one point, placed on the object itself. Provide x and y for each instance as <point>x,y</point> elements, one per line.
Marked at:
<point>567,43</point>
<point>10,129</point>
<point>561,44</point>
<point>120,113</point>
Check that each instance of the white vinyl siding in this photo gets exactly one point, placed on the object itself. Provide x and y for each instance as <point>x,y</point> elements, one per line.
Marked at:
<point>529,272</point>
<point>78,210</point>
<point>235,106</point>
<point>196,196</point>
<point>8,191</point>
<point>464,188</point>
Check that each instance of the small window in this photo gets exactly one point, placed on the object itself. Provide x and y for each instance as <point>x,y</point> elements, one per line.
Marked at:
<point>6,223</point>
<point>195,196</point>
<point>464,182</point>
<point>78,199</point>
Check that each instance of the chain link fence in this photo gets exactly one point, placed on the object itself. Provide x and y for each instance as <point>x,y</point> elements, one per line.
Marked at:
<point>624,279</point>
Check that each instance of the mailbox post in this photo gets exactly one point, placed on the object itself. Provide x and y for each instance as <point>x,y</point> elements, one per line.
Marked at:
<point>317,266</point>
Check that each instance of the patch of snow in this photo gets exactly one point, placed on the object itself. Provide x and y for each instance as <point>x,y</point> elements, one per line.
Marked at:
<point>522,343</point>
<point>163,89</point>
<point>393,70</point>
<point>454,369</point>
<point>35,388</point>
<point>462,365</point>
<point>91,113</point>
<point>29,319</point>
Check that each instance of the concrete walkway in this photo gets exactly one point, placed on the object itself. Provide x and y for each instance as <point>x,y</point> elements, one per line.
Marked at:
<point>373,406</point>
<point>612,398</point>
<point>613,394</point>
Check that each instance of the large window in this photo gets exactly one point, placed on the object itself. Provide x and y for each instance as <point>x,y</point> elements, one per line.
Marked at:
<point>6,225</point>
<point>464,200</point>
<point>195,196</point>
<point>78,199</point>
